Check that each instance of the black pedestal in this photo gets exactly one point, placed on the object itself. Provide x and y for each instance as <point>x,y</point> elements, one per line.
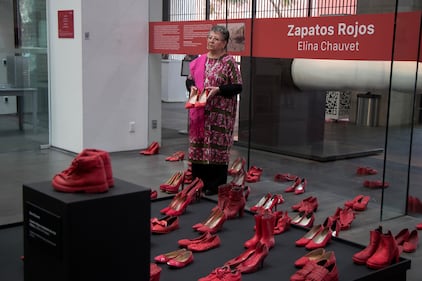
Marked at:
<point>86,237</point>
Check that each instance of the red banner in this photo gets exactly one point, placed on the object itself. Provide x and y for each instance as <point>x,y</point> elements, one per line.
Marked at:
<point>352,37</point>
<point>190,37</point>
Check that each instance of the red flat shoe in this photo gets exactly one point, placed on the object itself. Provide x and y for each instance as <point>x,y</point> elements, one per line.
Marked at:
<point>309,204</point>
<point>164,258</point>
<point>285,177</point>
<point>177,156</point>
<point>224,273</point>
<point>211,242</point>
<point>181,260</point>
<point>366,171</point>
<point>164,225</point>
<point>349,203</point>
<point>186,242</point>
<point>375,184</point>
<point>361,204</point>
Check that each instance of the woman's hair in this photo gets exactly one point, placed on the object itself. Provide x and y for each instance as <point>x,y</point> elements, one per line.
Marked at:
<point>222,30</point>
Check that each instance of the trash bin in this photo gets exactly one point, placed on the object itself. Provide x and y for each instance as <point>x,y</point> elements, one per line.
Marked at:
<point>367,110</point>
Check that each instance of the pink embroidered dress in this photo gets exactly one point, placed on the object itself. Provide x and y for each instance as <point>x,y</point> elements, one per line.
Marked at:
<point>211,127</point>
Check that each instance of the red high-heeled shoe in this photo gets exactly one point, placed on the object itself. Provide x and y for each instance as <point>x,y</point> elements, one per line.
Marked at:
<point>261,202</point>
<point>272,203</point>
<point>320,240</point>
<point>152,149</point>
<point>308,236</point>
<point>193,97</point>
<point>304,219</point>
<point>172,185</point>
<point>300,188</point>
<point>292,187</point>
<point>237,166</point>
<point>202,98</point>
<point>214,224</point>
<point>255,261</point>
<point>182,199</point>
<point>236,203</point>
<point>285,177</point>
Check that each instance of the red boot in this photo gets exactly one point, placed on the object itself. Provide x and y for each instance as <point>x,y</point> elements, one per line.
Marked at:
<point>386,253</point>
<point>362,256</point>
<point>223,195</point>
<point>105,156</point>
<point>86,174</point>
<point>235,204</point>
<point>258,232</point>
<point>267,229</point>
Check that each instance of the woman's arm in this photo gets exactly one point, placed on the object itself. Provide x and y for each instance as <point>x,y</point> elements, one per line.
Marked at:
<point>189,83</point>
<point>230,90</point>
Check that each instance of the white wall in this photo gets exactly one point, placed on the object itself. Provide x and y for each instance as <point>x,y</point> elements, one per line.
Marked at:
<point>65,80</point>
<point>100,84</point>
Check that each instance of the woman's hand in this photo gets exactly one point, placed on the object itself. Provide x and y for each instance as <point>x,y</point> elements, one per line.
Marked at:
<point>212,91</point>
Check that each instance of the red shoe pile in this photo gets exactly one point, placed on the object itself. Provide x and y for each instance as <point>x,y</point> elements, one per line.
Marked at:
<point>176,259</point>
<point>164,225</point>
<point>309,204</point>
<point>183,198</point>
<point>381,251</point>
<point>89,172</point>
<point>359,203</point>
<point>204,242</point>
<point>177,156</point>
<point>321,268</point>
<point>407,241</point>
<point>152,149</point>
<point>254,174</point>
<point>298,187</point>
<point>173,184</point>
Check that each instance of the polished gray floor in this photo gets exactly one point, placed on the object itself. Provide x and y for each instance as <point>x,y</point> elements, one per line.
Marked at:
<point>331,182</point>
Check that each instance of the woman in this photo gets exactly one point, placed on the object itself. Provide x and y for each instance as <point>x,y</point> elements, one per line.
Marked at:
<point>211,127</point>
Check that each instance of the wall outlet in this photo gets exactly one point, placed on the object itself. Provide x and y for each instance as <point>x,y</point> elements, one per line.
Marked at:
<point>154,124</point>
<point>131,127</point>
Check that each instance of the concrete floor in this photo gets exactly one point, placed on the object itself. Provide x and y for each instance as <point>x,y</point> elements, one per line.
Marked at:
<point>331,182</point>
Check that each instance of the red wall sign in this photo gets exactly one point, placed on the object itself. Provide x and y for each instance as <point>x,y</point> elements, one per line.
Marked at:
<point>66,24</point>
<point>352,37</point>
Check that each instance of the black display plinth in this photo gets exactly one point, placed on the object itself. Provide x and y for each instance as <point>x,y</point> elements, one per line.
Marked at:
<point>86,237</point>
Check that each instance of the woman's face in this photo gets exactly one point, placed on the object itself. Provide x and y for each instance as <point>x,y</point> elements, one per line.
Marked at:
<point>215,42</point>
